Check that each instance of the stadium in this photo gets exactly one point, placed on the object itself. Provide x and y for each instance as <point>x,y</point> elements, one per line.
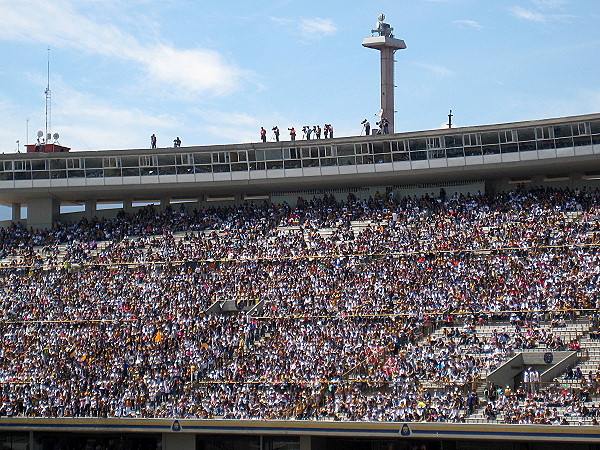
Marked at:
<point>385,291</point>
<point>423,290</point>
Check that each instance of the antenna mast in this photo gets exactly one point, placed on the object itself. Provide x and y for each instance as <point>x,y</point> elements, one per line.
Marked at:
<point>48,104</point>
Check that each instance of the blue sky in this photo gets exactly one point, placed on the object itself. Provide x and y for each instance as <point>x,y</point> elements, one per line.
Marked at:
<point>215,72</point>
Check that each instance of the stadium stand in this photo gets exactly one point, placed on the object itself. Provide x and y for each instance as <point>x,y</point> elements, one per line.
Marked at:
<point>381,309</point>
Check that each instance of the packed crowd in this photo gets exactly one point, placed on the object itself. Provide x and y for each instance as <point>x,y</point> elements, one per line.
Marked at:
<point>107,317</point>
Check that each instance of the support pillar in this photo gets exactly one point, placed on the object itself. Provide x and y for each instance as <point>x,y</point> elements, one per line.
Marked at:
<point>201,201</point>
<point>128,205</point>
<point>42,212</point>
<point>16,212</point>
<point>91,208</point>
<point>164,203</point>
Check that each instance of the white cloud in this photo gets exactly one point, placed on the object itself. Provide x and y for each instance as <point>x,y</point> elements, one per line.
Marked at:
<point>436,69</point>
<point>317,27</point>
<point>552,4</point>
<point>542,14</point>
<point>196,70</point>
<point>468,24</point>
<point>308,28</point>
<point>528,14</point>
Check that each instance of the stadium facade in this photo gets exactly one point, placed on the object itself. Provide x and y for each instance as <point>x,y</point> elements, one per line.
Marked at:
<point>561,152</point>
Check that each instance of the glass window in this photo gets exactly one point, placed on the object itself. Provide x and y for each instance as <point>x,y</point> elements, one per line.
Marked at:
<point>437,154</point>
<point>40,164</point>
<point>579,141</point>
<point>326,151</point>
<point>257,166</point>
<point>564,142</point>
<point>347,160</point>
<point>400,156</point>
<point>76,173</point>
<point>112,172</point>
<point>595,127</point>
<point>259,155</point>
<point>293,164</point>
<point>418,156</point>
<point>111,162</point>
<point>562,131</point>
<point>527,146</point>
<point>57,164</point>
<point>185,159</point>
<point>418,144</point>
<point>472,151</point>
<point>166,160</point>
<point>581,129</point>
<point>489,137</point>
<point>22,165</point>
<point>526,134</point>
<point>507,136</point>
<point>345,149</point>
<point>127,172</point>
<point>292,153</point>
<point>491,149</point>
<point>275,164</point>
<point>148,161</point>
<point>166,170</point>
<point>544,133</point>
<point>510,147</point>
<point>130,161</point>
<point>434,142</point>
<point>545,144</point>
<point>455,152</point>
<point>220,168</point>
<point>472,139</point>
<point>220,157</point>
<point>274,154</point>
<point>453,141</point>
<point>93,163</point>
<point>202,158</point>
<point>75,163</point>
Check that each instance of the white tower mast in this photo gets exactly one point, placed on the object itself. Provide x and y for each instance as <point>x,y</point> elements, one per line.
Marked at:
<point>48,104</point>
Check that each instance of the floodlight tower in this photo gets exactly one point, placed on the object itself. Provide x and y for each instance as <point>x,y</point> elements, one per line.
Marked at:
<point>387,44</point>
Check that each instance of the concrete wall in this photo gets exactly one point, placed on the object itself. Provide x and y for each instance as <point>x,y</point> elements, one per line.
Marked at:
<point>505,374</point>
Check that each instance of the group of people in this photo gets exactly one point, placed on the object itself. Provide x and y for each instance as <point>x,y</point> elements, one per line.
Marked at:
<point>176,141</point>
<point>383,124</point>
<point>308,132</point>
<point>109,317</point>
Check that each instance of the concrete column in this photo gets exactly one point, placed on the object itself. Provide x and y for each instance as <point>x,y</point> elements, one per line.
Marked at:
<point>387,85</point>
<point>128,205</point>
<point>178,441</point>
<point>16,212</point>
<point>91,208</point>
<point>42,212</point>
<point>164,203</point>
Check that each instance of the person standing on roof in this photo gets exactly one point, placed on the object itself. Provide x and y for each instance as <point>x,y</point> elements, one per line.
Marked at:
<point>263,134</point>
<point>292,134</point>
